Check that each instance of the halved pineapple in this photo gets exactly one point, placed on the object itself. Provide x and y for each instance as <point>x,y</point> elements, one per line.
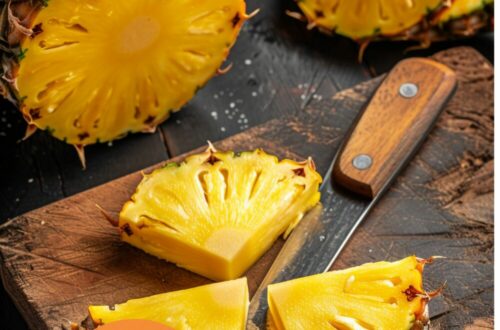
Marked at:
<point>221,306</point>
<point>94,70</point>
<point>374,296</point>
<point>364,18</point>
<point>421,20</point>
<point>217,213</point>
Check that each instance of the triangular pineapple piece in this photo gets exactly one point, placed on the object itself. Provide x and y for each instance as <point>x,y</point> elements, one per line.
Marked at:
<point>217,213</point>
<point>221,306</point>
<point>374,296</point>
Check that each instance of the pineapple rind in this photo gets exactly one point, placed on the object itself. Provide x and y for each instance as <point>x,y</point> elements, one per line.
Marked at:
<point>371,296</point>
<point>217,213</point>
<point>221,305</point>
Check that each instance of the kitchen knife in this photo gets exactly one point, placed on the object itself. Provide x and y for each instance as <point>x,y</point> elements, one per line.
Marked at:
<point>383,139</point>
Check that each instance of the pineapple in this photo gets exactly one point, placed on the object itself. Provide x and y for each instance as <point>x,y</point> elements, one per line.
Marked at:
<point>374,296</point>
<point>216,213</point>
<point>420,20</point>
<point>91,71</point>
<point>221,306</point>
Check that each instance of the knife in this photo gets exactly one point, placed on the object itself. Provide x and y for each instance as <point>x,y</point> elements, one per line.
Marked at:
<point>386,134</point>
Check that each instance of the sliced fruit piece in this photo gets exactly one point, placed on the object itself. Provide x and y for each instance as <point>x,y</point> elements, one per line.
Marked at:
<point>424,21</point>
<point>217,213</point>
<point>92,71</point>
<point>374,296</point>
<point>221,306</point>
<point>364,18</point>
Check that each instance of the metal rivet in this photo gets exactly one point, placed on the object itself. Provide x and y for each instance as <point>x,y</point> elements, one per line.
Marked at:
<point>408,90</point>
<point>362,162</point>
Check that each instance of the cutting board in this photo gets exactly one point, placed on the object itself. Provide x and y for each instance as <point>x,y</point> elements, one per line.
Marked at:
<point>60,258</point>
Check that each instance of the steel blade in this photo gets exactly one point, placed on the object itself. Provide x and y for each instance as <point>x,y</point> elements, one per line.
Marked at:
<point>314,244</point>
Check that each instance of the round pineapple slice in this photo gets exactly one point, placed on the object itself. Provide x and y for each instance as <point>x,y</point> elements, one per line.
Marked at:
<point>217,213</point>
<point>93,71</point>
<point>365,18</point>
<point>221,306</point>
<point>380,295</point>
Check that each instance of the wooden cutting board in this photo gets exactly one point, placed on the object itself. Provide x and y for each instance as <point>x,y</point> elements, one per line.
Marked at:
<point>61,258</point>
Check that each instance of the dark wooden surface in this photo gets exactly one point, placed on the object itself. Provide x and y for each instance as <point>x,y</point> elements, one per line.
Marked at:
<point>276,60</point>
<point>59,259</point>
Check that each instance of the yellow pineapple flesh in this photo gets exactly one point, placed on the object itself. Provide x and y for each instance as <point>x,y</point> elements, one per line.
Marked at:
<point>424,21</point>
<point>217,213</point>
<point>460,8</point>
<point>221,306</point>
<point>94,70</point>
<point>373,296</point>
<point>364,18</point>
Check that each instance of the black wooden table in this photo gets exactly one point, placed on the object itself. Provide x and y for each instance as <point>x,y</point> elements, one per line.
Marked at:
<point>274,56</point>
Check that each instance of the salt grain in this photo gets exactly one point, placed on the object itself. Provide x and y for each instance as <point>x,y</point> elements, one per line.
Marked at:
<point>214,115</point>
<point>232,105</point>
<point>31,180</point>
<point>254,94</point>
<point>248,62</point>
<point>223,129</point>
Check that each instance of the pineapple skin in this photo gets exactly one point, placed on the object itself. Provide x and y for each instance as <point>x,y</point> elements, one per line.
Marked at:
<point>222,238</point>
<point>221,306</point>
<point>378,296</point>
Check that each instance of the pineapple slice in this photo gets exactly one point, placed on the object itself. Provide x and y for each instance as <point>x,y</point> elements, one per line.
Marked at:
<point>419,20</point>
<point>217,213</point>
<point>221,306</point>
<point>364,18</point>
<point>460,8</point>
<point>92,71</point>
<point>374,296</point>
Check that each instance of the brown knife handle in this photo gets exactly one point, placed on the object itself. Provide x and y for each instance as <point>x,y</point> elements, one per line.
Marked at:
<point>396,120</point>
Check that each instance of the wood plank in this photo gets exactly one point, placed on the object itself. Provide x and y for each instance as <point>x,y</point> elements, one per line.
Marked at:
<point>59,259</point>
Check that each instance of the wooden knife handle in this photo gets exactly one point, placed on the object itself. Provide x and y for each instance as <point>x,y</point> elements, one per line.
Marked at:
<point>394,123</point>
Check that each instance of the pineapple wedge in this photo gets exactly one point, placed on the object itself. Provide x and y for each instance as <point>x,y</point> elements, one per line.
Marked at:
<point>217,213</point>
<point>374,296</point>
<point>221,306</point>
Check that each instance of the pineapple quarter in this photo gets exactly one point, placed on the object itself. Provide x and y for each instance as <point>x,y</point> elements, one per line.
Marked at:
<point>221,305</point>
<point>94,70</point>
<point>373,296</point>
<point>216,213</point>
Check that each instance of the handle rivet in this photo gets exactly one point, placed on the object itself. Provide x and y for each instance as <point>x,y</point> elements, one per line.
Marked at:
<point>408,90</point>
<point>362,162</point>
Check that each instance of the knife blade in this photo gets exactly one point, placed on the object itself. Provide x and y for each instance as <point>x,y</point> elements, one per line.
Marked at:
<point>386,134</point>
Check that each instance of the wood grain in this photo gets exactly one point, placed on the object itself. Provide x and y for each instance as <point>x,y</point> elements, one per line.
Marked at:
<point>392,126</point>
<point>59,259</point>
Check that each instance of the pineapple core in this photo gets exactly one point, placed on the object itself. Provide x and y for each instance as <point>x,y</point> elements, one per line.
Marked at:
<point>217,213</point>
<point>93,71</point>
<point>373,296</point>
<point>216,306</point>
